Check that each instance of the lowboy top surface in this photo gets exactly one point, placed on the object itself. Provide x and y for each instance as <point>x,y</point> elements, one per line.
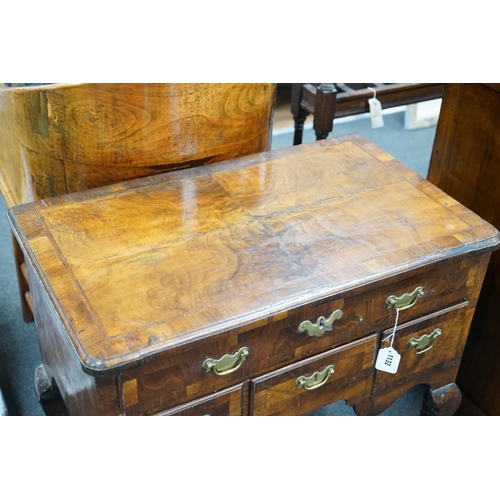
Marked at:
<point>141,266</point>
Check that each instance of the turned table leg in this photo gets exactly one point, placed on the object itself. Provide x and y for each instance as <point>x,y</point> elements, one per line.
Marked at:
<point>22,280</point>
<point>298,112</point>
<point>324,110</point>
<point>48,394</point>
<point>443,401</point>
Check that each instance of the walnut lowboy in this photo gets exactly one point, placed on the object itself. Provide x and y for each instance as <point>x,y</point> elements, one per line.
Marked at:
<point>244,287</point>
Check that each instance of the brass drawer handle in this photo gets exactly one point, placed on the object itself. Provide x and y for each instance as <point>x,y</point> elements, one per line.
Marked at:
<point>321,326</point>
<point>425,342</point>
<point>229,363</point>
<point>317,379</point>
<point>406,300</point>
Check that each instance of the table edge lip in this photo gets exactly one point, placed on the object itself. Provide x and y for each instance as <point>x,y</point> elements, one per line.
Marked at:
<point>111,365</point>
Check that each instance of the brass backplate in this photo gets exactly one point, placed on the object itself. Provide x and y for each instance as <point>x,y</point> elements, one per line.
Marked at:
<point>227,363</point>
<point>321,326</point>
<point>425,342</point>
<point>406,300</point>
<point>317,379</point>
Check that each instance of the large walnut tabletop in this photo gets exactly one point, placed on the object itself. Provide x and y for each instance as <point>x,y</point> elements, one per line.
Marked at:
<point>136,269</point>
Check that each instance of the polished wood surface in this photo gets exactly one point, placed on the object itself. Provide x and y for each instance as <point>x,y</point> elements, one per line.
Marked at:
<point>227,403</point>
<point>146,280</point>
<point>234,245</point>
<point>277,393</point>
<point>465,163</point>
<point>62,138</point>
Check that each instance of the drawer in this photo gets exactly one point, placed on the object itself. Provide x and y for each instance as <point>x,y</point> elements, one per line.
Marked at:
<point>342,373</point>
<point>430,352</point>
<point>179,375</point>
<point>369,311</point>
<point>227,403</point>
<point>284,340</point>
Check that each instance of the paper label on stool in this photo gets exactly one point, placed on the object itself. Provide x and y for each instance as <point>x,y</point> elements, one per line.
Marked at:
<point>376,112</point>
<point>388,360</point>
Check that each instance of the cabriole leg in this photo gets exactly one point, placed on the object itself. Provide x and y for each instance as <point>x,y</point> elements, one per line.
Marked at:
<point>443,401</point>
<point>48,394</point>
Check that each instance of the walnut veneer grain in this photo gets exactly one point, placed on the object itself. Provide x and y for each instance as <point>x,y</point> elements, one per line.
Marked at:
<point>150,278</point>
<point>63,138</point>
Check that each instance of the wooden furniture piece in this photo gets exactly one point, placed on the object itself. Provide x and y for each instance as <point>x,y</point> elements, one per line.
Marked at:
<point>264,285</point>
<point>63,138</point>
<point>465,163</point>
<point>327,101</point>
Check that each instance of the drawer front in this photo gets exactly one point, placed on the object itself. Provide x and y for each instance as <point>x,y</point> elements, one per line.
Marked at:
<point>227,403</point>
<point>430,352</point>
<point>183,374</point>
<point>343,373</point>
<point>180,377</point>
<point>300,335</point>
<point>424,293</point>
